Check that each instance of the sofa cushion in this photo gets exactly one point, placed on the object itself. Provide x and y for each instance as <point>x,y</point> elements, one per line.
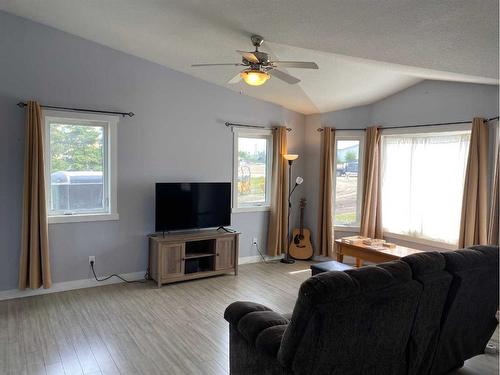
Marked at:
<point>428,269</point>
<point>469,314</point>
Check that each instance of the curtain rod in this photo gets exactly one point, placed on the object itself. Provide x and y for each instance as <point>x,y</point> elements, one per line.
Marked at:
<point>130,114</point>
<point>235,125</point>
<point>418,125</point>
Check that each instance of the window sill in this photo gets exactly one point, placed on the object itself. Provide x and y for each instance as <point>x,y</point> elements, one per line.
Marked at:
<point>237,210</point>
<point>346,228</point>
<point>420,241</point>
<point>82,218</point>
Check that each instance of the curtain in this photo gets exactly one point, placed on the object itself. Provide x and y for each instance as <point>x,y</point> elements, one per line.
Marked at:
<point>34,265</point>
<point>325,204</point>
<point>277,237</point>
<point>473,224</point>
<point>422,182</point>
<point>371,220</point>
<point>494,200</point>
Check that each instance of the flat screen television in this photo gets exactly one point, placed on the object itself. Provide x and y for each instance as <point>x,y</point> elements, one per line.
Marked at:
<point>192,205</point>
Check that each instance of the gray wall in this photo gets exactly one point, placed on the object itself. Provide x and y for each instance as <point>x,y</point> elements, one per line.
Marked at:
<point>178,134</point>
<point>426,102</point>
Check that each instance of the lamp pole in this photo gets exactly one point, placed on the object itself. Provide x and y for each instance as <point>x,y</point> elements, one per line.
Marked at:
<point>290,158</point>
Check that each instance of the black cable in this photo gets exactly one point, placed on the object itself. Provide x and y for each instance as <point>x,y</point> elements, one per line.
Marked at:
<point>118,276</point>
<point>263,257</point>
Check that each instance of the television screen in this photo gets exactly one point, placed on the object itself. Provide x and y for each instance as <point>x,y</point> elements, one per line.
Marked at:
<point>192,205</point>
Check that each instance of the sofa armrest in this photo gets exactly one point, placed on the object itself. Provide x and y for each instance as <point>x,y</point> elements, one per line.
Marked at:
<point>235,311</point>
<point>269,340</point>
<point>253,319</point>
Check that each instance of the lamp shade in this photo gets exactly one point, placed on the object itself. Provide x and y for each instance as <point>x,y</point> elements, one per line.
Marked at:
<point>254,77</point>
<point>299,180</point>
<point>291,156</point>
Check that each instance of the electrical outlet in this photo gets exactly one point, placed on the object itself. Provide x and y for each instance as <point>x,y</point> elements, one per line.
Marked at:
<point>254,241</point>
<point>92,259</point>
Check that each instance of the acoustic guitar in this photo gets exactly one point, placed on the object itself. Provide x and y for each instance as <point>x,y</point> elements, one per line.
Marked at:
<point>300,246</point>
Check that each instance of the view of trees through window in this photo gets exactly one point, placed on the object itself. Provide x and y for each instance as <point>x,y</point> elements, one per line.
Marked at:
<point>76,167</point>
<point>252,157</point>
<point>346,182</point>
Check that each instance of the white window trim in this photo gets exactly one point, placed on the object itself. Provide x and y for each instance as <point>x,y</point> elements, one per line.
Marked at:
<point>423,131</point>
<point>251,133</point>
<point>110,164</point>
<point>350,135</point>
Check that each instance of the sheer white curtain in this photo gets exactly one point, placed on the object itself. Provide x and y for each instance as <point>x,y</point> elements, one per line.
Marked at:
<point>422,184</point>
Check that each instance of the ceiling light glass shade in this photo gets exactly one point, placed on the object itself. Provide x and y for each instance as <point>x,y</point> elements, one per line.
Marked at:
<point>254,77</point>
<point>291,156</point>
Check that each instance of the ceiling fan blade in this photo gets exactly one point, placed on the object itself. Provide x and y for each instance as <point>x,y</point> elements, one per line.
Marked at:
<point>296,64</point>
<point>235,79</point>
<point>284,76</point>
<point>249,56</point>
<point>224,64</point>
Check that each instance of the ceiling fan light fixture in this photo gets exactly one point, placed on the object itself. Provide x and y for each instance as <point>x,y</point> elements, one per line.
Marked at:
<point>254,77</point>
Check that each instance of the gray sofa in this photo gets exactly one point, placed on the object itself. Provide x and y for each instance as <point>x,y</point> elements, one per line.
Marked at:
<point>424,314</point>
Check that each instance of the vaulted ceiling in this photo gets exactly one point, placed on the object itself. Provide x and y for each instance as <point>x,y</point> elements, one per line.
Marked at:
<point>366,49</point>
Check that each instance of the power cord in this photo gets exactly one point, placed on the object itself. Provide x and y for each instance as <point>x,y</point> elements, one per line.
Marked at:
<point>262,256</point>
<point>146,276</point>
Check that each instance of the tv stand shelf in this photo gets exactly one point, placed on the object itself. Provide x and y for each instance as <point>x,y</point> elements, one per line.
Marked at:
<point>192,255</point>
<point>198,255</point>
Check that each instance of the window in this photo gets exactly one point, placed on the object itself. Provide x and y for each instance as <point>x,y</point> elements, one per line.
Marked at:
<point>422,184</point>
<point>347,185</point>
<point>252,170</point>
<point>80,167</point>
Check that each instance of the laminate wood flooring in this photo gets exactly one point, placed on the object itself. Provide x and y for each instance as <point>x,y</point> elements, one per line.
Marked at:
<point>140,329</point>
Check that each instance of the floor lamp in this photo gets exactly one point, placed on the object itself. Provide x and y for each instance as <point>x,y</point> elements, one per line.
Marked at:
<point>298,181</point>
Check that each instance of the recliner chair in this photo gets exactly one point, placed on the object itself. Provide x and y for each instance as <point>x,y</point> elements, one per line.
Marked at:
<point>352,322</point>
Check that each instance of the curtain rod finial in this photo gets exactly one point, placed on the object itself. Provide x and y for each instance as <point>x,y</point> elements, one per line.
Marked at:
<point>21,104</point>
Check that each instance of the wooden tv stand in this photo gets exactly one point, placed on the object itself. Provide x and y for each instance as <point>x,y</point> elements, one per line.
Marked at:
<point>192,255</point>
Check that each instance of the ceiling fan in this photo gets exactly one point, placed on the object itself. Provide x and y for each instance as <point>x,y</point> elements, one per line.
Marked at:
<point>259,68</point>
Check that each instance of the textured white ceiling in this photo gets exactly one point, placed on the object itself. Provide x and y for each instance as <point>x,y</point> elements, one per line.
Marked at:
<point>366,49</point>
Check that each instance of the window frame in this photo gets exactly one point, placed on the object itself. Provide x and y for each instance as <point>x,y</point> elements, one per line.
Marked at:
<point>109,124</point>
<point>266,134</point>
<point>350,135</point>
<point>421,131</point>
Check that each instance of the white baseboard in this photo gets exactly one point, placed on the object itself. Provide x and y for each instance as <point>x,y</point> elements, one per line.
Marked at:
<point>68,285</point>
<point>256,259</point>
<point>90,283</point>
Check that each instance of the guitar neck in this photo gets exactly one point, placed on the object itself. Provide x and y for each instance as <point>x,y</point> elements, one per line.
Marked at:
<point>302,221</point>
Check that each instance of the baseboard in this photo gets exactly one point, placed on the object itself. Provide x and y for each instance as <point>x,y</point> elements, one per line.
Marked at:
<point>68,285</point>
<point>256,259</point>
<point>90,283</point>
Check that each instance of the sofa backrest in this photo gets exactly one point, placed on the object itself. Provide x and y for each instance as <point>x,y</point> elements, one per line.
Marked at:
<point>468,320</point>
<point>429,270</point>
<point>352,322</point>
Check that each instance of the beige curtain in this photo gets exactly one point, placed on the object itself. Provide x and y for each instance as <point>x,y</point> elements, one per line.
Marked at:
<point>34,265</point>
<point>473,225</point>
<point>278,220</point>
<point>371,218</point>
<point>494,200</point>
<point>325,204</point>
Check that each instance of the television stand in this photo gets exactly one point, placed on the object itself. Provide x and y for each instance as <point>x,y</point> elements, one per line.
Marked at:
<point>192,255</point>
